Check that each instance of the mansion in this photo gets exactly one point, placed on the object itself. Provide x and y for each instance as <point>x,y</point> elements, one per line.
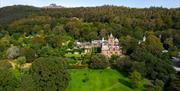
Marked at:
<point>108,47</point>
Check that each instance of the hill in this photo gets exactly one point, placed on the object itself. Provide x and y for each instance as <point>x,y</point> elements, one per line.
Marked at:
<point>13,13</point>
<point>150,18</point>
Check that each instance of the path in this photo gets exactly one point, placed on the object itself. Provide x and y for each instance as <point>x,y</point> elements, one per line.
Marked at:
<point>12,64</point>
<point>108,89</point>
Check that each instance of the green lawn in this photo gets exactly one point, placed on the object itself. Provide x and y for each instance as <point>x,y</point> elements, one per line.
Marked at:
<point>99,80</point>
<point>69,55</point>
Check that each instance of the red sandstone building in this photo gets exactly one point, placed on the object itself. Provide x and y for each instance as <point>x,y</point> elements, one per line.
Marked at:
<point>108,47</point>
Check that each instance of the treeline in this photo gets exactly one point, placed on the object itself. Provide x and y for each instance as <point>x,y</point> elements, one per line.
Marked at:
<point>118,20</point>
<point>147,18</point>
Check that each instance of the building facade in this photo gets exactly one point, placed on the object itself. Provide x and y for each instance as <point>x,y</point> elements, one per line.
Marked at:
<point>108,47</point>
<point>111,47</point>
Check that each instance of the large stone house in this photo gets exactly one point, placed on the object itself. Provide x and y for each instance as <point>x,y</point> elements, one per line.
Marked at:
<point>111,47</point>
<point>108,47</point>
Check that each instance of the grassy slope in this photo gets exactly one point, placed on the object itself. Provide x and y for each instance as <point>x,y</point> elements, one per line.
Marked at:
<point>99,80</point>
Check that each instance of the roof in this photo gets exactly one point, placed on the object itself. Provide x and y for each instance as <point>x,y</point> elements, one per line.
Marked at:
<point>111,35</point>
<point>116,40</point>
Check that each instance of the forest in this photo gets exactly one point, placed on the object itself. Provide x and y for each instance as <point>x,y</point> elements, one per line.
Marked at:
<point>34,46</point>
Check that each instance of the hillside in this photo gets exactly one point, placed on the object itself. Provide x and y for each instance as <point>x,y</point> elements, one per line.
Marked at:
<point>126,16</point>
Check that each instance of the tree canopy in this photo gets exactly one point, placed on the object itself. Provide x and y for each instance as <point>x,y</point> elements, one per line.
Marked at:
<point>50,74</point>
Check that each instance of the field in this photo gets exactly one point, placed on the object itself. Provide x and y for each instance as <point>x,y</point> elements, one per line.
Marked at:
<point>99,80</point>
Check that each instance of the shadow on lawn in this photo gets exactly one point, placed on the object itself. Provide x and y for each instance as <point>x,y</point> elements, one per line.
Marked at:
<point>124,82</point>
<point>128,84</point>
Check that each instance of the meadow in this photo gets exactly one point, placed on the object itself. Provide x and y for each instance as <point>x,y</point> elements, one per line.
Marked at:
<point>100,80</point>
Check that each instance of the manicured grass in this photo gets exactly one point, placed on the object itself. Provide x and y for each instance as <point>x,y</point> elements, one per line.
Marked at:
<point>99,80</point>
<point>69,55</point>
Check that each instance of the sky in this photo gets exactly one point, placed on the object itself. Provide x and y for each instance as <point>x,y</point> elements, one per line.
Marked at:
<point>79,3</point>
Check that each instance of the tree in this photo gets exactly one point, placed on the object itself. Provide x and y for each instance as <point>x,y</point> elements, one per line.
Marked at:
<point>123,64</point>
<point>5,42</point>
<point>64,40</point>
<point>29,53</point>
<point>8,80</point>
<point>27,83</point>
<point>129,44</point>
<point>138,33</point>
<point>91,35</point>
<point>51,40</point>
<point>159,85</point>
<point>113,59</point>
<point>140,67</point>
<point>47,28</point>
<point>157,68</point>
<point>50,74</point>
<point>72,28</point>
<point>135,78</point>
<point>59,29</point>
<point>36,28</point>
<point>168,43</point>
<point>153,44</point>
<point>153,66</point>
<point>174,85</point>
<point>139,54</point>
<point>173,51</point>
<point>46,51</point>
<point>176,37</point>
<point>98,61</point>
<point>21,60</point>
<point>103,32</point>
<point>39,40</point>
